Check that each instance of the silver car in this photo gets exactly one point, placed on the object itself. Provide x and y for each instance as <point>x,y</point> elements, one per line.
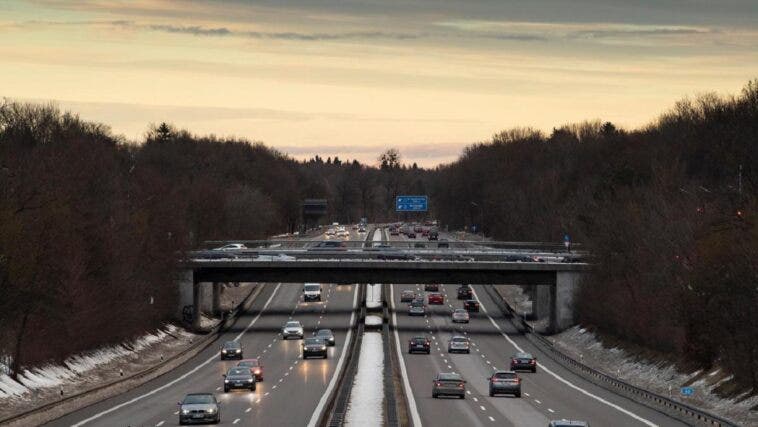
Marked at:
<point>448,384</point>
<point>459,344</point>
<point>199,408</point>
<point>568,423</point>
<point>505,382</point>
<point>292,329</point>
<point>460,316</point>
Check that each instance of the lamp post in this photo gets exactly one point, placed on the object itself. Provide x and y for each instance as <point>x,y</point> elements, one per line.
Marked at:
<point>481,217</point>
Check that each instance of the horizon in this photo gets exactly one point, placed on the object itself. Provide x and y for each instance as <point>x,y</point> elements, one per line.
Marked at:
<point>352,79</point>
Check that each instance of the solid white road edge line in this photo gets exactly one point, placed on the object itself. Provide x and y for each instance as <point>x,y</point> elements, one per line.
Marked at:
<point>406,384</point>
<point>322,403</point>
<point>561,379</point>
<point>169,384</point>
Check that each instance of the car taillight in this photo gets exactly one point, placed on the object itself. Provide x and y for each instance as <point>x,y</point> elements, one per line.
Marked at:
<point>514,361</point>
<point>460,385</point>
<point>518,380</point>
<point>257,371</point>
<point>439,384</point>
<point>533,361</point>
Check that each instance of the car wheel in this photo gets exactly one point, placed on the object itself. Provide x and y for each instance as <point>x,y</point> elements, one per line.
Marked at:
<point>218,420</point>
<point>428,352</point>
<point>252,388</point>
<point>182,423</point>
<point>492,394</point>
<point>534,370</point>
<point>434,395</point>
<point>325,356</point>
<point>226,390</point>
<point>518,394</point>
<point>468,351</point>
<point>463,396</point>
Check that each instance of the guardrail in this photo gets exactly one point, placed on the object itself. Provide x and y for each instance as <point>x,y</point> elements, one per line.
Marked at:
<point>679,410</point>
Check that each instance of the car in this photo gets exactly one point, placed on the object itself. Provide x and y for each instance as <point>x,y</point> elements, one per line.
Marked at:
<point>523,361</point>
<point>237,378</point>
<point>411,235</point>
<point>431,287</point>
<point>354,227</point>
<point>459,344</point>
<point>333,245</point>
<point>255,366</point>
<point>448,384</point>
<point>327,335</point>
<point>436,298</point>
<point>231,247</point>
<point>407,296</point>
<point>330,232</point>
<point>568,423</point>
<point>416,308</point>
<point>292,328</point>
<point>199,408</point>
<point>433,235</point>
<point>314,346</point>
<point>418,228</point>
<point>312,292</point>
<point>443,244</point>
<point>362,229</point>
<point>419,245</point>
<point>394,232</point>
<point>465,292</point>
<point>505,382</point>
<point>471,305</point>
<point>460,316</point>
<point>419,345</point>
<point>231,350</point>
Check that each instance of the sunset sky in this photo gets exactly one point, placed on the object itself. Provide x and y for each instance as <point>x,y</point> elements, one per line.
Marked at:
<point>355,77</point>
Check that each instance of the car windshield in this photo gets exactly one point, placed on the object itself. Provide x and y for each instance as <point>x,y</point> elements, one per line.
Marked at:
<point>193,399</point>
<point>293,324</point>
<point>471,301</point>
<point>231,345</point>
<point>449,377</point>
<point>417,304</point>
<point>312,287</point>
<point>238,371</point>
<point>246,363</point>
<point>506,375</point>
<point>523,356</point>
<point>460,311</point>
<point>459,339</point>
<point>313,341</point>
<point>419,340</point>
<point>324,333</point>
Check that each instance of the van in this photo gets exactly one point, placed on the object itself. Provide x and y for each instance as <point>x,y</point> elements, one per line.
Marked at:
<point>312,292</point>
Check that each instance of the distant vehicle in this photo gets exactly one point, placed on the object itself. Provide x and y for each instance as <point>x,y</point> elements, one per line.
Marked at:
<point>329,246</point>
<point>433,235</point>
<point>459,344</point>
<point>407,296</point>
<point>292,328</point>
<point>518,258</point>
<point>443,244</point>
<point>312,291</point>
<point>362,229</point>
<point>314,347</point>
<point>387,252</point>
<point>465,292</point>
<point>239,377</point>
<point>436,298</point>
<point>448,384</point>
<point>275,257</point>
<point>411,234</point>
<point>419,344</point>
<point>460,316</point>
<point>231,350</point>
<point>255,366</point>
<point>505,382</point>
<point>418,228</point>
<point>419,245</point>
<point>567,423</point>
<point>199,407</point>
<point>330,232</point>
<point>394,232</point>
<point>416,309</point>
<point>327,335</point>
<point>471,305</point>
<point>231,247</point>
<point>523,361</point>
<point>354,227</point>
<point>432,287</point>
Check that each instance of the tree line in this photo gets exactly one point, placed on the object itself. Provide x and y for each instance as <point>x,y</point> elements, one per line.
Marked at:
<point>91,224</point>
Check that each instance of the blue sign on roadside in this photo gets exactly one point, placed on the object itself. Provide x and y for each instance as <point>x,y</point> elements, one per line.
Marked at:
<point>688,391</point>
<point>411,204</point>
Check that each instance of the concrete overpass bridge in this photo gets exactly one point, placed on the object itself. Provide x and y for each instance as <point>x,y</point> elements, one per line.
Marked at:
<point>549,273</point>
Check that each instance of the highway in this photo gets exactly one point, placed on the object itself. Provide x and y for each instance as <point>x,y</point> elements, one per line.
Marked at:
<point>551,393</point>
<point>292,391</point>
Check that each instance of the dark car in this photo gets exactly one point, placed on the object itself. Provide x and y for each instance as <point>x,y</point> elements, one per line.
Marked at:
<point>471,305</point>
<point>416,308</point>
<point>465,292</point>
<point>432,287</point>
<point>436,298</point>
<point>255,366</point>
<point>523,361</point>
<point>407,296</point>
<point>239,378</point>
<point>568,423</point>
<point>331,245</point>
<point>314,347</point>
<point>411,234</point>
<point>433,235</point>
<point>419,345</point>
<point>449,384</point>
<point>443,244</point>
<point>505,382</point>
<point>231,350</point>
<point>199,408</point>
<point>327,335</point>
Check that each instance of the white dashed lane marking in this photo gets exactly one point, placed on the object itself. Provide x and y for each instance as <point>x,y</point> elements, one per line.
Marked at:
<point>538,402</point>
<point>492,419</point>
<point>483,408</point>
<point>236,421</point>
<point>550,410</point>
<point>248,410</point>
<point>160,424</point>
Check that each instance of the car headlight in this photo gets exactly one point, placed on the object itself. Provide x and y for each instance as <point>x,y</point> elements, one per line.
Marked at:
<point>257,371</point>
<point>323,347</point>
<point>185,411</point>
<point>226,381</point>
<point>223,351</point>
<point>212,410</point>
<point>238,351</point>
<point>250,380</point>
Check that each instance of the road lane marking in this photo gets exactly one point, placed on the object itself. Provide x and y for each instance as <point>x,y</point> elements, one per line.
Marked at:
<point>182,377</point>
<point>218,388</point>
<point>492,419</point>
<point>538,402</point>
<point>483,408</point>
<point>332,383</point>
<point>475,399</point>
<point>176,413</point>
<point>248,410</point>
<point>468,392</point>
<point>236,421</point>
<point>550,410</point>
<point>526,394</point>
<point>267,393</point>
<point>560,378</point>
<point>160,424</point>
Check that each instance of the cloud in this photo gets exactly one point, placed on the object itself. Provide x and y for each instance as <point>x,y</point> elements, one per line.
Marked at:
<point>642,32</point>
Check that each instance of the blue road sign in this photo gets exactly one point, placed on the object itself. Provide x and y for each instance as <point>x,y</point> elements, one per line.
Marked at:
<point>411,204</point>
<point>688,391</point>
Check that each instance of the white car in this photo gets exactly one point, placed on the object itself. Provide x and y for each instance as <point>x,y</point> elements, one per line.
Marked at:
<point>292,329</point>
<point>231,247</point>
<point>330,232</point>
<point>312,292</point>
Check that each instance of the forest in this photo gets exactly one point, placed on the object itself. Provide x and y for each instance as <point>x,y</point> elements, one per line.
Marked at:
<point>91,223</point>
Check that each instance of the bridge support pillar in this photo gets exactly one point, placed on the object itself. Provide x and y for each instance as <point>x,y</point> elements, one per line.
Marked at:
<point>196,309</point>
<point>562,307</point>
<point>216,307</point>
<point>184,284</point>
<point>540,296</point>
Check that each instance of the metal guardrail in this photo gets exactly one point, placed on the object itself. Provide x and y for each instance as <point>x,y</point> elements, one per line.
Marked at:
<point>679,410</point>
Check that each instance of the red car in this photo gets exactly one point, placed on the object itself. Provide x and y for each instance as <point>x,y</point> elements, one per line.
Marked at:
<point>471,305</point>
<point>256,368</point>
<point>436,299</point>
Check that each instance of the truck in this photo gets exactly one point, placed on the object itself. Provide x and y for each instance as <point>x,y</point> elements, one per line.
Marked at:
<point>312,292</point>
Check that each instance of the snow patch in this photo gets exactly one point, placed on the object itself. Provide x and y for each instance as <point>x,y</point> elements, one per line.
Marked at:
<point>374,296</point>
<point>367,395</point>
<point>373,320</point>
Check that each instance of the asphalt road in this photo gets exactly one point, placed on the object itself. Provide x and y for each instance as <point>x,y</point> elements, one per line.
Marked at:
<point>551,393</point>
<point>292,388</point>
